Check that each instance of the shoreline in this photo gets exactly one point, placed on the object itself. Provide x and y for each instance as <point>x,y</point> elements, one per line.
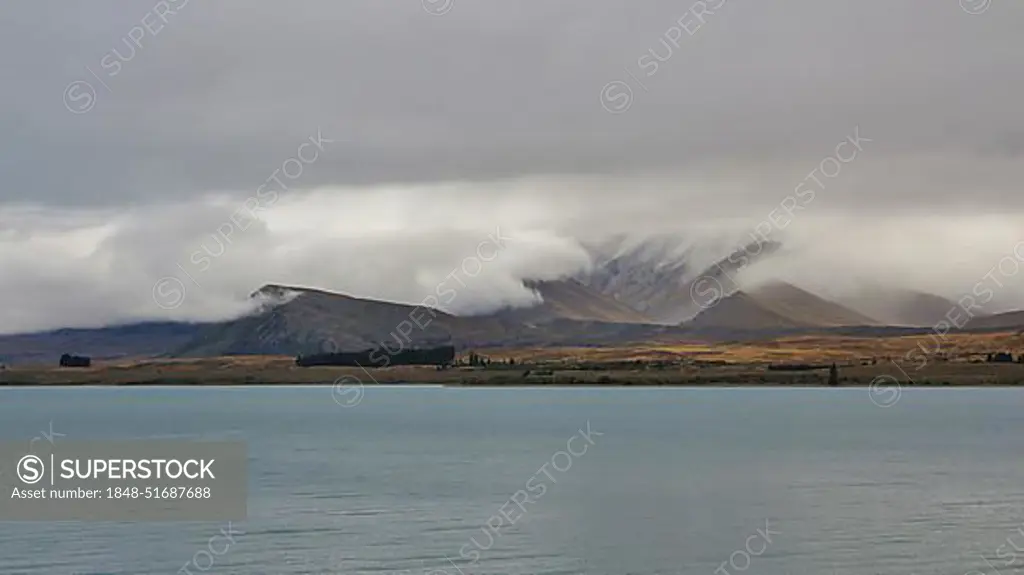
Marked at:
<point>791,362</point>
<point>901,385</point>
<point>211,373</point>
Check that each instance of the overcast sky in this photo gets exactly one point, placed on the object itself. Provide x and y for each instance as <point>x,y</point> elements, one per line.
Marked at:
<point>131,131</point>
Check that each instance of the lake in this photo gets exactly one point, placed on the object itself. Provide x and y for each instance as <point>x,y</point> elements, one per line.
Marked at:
<point>597,481</point>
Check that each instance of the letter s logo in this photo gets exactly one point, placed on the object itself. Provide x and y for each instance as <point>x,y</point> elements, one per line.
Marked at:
<point>79,97</point>
<point>30,469</point>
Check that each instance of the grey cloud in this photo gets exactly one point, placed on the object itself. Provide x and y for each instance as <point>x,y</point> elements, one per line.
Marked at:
<point>488,90</point>
<point>89,267</point>
<point>492,114</point>
<point>181,262</point>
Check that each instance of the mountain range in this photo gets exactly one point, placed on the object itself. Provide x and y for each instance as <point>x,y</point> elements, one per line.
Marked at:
<point>644,292</point>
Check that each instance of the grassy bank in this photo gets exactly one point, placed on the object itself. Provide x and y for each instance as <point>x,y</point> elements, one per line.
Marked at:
<point>959,361</point>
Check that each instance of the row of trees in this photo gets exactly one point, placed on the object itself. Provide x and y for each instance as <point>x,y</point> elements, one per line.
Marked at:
<point>476,360</point>
<point>68,360</point>
<point>1002,357</point>
<point>439,356</point>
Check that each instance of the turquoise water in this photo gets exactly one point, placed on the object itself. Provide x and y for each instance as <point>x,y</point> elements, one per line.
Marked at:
<point>672,481</point>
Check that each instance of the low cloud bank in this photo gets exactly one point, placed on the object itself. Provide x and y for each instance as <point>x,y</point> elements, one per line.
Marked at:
<point>473,242</point>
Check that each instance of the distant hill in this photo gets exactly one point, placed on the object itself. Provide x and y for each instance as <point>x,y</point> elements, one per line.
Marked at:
<point>740,311</point>
<point>808,308</point>
<point>643,275</point>
<point>297,320</point>
<point>310,321</point>
<point>777,306</point>
<point>897,306</point>
<point>636,293</point>
<point>148,339</point>
<point>655,276</point>
<point>317,321</point>
<point>1012,320</point>
<point>570,299</point>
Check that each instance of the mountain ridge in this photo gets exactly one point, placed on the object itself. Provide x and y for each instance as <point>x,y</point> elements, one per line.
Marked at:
<point>633,293</point>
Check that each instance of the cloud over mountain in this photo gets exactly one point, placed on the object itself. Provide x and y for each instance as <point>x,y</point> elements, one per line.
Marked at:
<point>382,144</point>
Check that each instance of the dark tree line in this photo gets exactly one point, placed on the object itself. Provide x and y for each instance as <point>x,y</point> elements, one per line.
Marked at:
<point>68,360</point>
<point>374,357</point>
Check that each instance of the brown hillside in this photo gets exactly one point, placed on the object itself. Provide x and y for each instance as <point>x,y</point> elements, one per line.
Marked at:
<point>570,299</point>
<point>807,308</point>
<point>897,306</point>
<point>1013,320</point>
<point>777,306</point>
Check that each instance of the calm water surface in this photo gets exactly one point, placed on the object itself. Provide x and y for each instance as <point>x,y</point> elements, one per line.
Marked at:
<point>674,481</point>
